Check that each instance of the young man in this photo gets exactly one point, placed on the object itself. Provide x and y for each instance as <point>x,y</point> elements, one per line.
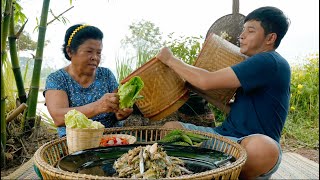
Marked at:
<point>261,105</point>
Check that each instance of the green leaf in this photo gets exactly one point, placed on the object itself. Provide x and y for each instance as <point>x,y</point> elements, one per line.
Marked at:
<point>129,92</point>
<point>75,119</point>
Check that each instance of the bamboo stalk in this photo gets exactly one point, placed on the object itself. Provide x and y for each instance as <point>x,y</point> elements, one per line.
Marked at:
<point>56,17</point>
<point>34,89</point>
<point>4,35</point>
<point>16,112</point>
<point>2,156</point>
<point>15,60</point>
<point>3,122</point>
<point>5,28</point>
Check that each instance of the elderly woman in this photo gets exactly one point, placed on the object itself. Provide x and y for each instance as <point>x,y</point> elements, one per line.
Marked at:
<point>83,85</point>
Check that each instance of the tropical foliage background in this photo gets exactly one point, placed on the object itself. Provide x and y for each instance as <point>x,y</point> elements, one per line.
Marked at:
<point>23,78</point>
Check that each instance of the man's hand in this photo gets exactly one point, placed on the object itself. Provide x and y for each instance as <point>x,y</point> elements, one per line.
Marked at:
<point>165,55</point>
<point>123,113</point>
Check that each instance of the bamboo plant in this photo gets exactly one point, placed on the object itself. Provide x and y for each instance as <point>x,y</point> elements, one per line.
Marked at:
<point>14,59</point>
<point>34,88</point>
<point>7,24</point>
<point>4,35</point>
<point>5,28</point>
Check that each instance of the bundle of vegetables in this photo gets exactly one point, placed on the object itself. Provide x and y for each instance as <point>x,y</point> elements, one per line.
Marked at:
<point>75,119</point>
<point>129,92</point>
<point>179,137</point>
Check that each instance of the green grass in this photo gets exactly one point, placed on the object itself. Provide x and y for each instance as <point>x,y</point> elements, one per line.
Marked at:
<point>303,120</point>
<point>127,64</point>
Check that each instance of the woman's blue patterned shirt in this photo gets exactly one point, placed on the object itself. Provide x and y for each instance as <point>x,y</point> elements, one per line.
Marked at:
<point>105,82</point>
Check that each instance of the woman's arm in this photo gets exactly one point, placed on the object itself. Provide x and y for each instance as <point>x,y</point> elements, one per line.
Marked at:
<point>58,105</point>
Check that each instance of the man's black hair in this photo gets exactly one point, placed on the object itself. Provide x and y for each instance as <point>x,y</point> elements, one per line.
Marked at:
<point>272,19</point>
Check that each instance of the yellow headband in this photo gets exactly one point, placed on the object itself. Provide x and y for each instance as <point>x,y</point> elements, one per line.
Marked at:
<point>74,32</point>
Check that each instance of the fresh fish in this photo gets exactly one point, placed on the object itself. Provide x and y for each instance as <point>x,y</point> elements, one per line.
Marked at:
<point>153,148</point>
<point>185,170</point>
<point>141,164</point>
<point>149,162</point>
<point>168,161</point>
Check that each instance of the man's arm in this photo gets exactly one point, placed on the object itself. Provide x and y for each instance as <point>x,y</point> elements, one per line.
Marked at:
<point>200,78</point>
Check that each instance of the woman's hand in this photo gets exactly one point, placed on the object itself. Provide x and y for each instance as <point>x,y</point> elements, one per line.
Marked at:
<point>123,113</point>
<point>108,103</point>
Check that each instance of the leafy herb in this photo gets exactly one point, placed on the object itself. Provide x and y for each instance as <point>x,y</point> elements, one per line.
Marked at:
<point>129,92</point>
<point>75,119</point>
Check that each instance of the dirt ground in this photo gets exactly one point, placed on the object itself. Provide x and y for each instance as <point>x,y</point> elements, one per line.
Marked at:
<point>292,146</point>
<point>20,150</point>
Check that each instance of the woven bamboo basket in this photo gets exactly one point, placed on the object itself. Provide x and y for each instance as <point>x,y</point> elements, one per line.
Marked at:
<point>164,91</point>
<point>230,24</point>
<point>48,155</point>
<point>216,54</point>
<point>80,139</point>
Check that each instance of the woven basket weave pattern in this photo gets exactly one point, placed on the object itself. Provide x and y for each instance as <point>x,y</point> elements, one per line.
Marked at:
<point>217,54</point>
<point>231,24</point>
<point>162,88</point>
<point>80,139</point>
<point>48,155</point>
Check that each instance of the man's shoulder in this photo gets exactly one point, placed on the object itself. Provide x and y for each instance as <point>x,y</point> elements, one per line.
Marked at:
<point>269,55</point>
<point>270,58</point>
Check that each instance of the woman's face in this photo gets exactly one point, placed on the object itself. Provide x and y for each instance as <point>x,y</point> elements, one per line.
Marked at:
<point>87,57</point>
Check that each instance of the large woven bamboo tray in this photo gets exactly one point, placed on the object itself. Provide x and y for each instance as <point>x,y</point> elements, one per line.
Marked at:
<point>48,155</point>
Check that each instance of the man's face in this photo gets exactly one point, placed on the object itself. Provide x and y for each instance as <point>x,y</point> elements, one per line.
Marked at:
<point>252,38</point>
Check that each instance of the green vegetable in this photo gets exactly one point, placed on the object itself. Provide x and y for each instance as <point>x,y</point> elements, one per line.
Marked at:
<point>198,136</point>
<point>129,92</point>
<point>179,137</point>
<point>181,143</point>
<point>197,144</point>
<point>194,139</point>
<point>75,119</point>
<point>186,139</point>
<point>175,132</point>
<point>171,138</point>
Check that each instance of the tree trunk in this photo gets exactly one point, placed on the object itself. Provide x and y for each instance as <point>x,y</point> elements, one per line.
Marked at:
<point>4,35</point>
<point>15,61</point>
<point>34,89</point>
